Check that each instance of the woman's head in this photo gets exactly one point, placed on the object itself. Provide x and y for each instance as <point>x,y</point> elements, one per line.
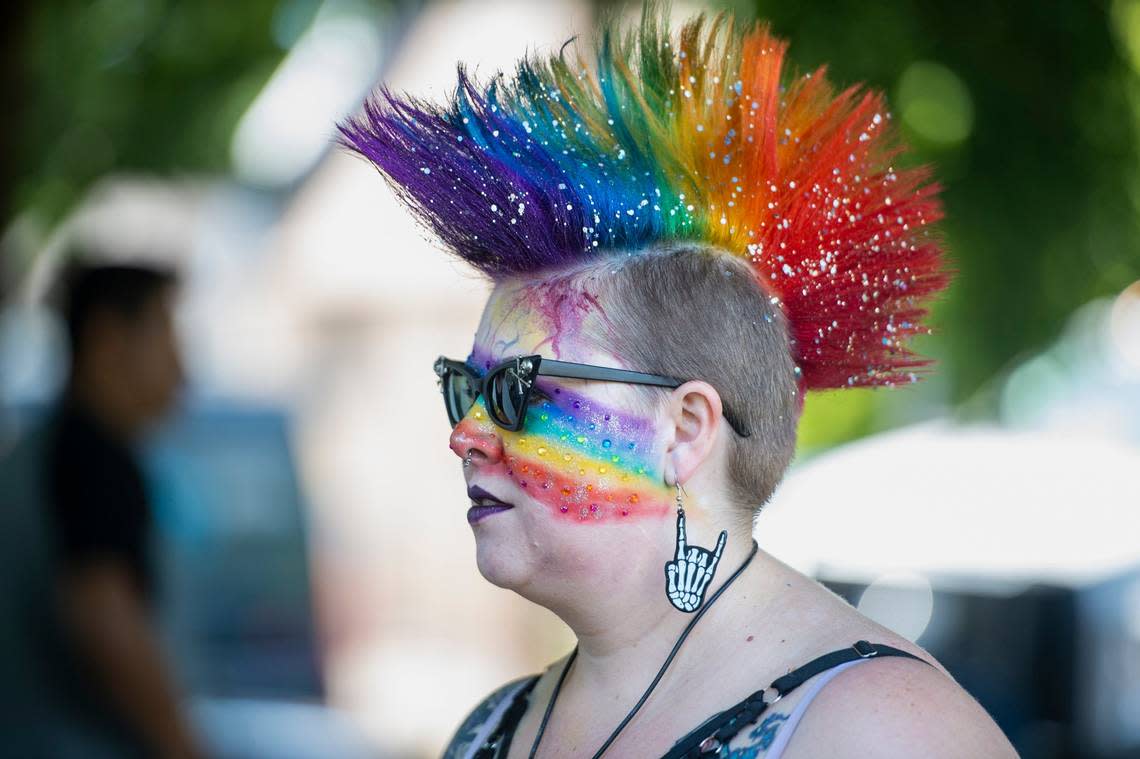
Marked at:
<point>589,454</point>
<point>684,207</point>
<point>606,454</point>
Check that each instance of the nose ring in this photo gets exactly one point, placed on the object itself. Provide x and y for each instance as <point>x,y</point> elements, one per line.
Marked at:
<point>467,460</point>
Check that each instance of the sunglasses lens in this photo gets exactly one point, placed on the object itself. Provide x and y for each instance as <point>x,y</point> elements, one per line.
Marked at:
<point>508,391</point>
<point>459,393</point>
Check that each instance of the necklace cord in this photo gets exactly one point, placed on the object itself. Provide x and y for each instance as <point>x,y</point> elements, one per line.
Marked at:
<point>660,673</point>
<point>550,703</point>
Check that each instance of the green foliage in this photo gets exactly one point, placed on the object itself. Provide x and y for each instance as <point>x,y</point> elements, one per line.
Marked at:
<point>134,85</point>
<point>1041,190</point>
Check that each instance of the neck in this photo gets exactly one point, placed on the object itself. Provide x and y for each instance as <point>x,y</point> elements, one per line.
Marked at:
<point>101,400</point>
<point>626,629</point>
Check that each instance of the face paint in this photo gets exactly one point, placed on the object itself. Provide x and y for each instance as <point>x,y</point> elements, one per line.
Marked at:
<point>584,460</point>
<point>526,318</point>
<point>565,308</point>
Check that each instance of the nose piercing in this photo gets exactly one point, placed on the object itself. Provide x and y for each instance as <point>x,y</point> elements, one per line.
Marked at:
<point>467,460</point>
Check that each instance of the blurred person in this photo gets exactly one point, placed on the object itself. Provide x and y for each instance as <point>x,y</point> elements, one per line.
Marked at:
<point>682,241</point>
<point>103,688</point>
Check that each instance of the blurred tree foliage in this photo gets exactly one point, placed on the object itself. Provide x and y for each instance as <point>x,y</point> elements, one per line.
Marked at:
<point>131,85</point>
<point>1029,113</point>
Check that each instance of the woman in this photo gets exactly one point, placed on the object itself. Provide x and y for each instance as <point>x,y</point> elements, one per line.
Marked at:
<point>680,247</point>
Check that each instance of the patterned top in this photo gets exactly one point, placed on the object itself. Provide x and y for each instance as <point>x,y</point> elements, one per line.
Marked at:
<point>488,730</point>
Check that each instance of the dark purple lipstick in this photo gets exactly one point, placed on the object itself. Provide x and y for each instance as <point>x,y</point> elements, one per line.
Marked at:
<point>483,504</point>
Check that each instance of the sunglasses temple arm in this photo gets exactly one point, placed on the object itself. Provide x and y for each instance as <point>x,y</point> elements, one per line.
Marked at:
<point>552,368</point>
<point>733,422</point>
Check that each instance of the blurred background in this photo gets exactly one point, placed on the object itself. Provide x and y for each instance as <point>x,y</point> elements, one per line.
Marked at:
<point>318,579</point>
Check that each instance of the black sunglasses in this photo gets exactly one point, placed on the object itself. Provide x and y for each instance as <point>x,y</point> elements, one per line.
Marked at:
<point>507,387</point>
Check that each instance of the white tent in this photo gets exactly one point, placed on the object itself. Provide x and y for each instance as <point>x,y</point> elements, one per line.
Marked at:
<point>962,502</point>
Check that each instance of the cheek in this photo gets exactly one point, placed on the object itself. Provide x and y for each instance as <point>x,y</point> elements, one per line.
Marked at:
<point>156,370</point>
<point>586,463</point>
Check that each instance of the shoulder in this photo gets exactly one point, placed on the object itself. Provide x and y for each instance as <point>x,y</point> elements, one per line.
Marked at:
<point>894,708</point>
<point>471,728</point>
<point>88,467</point>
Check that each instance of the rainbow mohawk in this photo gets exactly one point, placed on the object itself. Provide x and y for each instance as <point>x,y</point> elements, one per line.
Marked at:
<point>692,138</point>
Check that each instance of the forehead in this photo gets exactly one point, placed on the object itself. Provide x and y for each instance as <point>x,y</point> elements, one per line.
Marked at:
<point>557,319</point>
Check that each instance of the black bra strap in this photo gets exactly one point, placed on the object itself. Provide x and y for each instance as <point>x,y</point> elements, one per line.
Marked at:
<point>861,649</point>
<point>721,728</point>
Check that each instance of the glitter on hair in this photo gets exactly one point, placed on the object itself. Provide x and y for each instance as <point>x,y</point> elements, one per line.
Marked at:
<point>701,136</point>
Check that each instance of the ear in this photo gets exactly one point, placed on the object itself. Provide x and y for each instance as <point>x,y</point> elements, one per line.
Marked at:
<point>694,409</point>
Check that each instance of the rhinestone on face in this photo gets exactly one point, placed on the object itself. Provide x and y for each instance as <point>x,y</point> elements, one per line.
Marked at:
<point>710,745</point>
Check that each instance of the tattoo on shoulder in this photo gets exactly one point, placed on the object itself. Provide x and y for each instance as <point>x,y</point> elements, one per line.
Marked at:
<point>469,730</point>
<point>761,738</point>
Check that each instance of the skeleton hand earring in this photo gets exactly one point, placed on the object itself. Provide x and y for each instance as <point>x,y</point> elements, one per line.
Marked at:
<point>689,574</point>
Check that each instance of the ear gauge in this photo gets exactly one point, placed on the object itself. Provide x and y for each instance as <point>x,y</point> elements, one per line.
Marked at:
<point>689,574</point>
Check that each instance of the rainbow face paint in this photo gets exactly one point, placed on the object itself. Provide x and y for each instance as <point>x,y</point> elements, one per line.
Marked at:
<point>581,458</point>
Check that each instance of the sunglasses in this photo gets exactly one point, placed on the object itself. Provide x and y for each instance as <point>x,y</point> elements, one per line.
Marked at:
<point>507,387</point>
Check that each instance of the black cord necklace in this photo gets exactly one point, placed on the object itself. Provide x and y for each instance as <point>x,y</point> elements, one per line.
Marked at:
<point>660,673</point>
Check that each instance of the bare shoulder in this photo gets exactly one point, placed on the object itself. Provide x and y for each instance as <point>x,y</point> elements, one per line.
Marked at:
<point>472,727</point>
<point>892,708</point>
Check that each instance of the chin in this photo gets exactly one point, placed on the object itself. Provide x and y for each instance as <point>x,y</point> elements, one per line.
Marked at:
<point>500,562</point>
<point>503,550</point>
